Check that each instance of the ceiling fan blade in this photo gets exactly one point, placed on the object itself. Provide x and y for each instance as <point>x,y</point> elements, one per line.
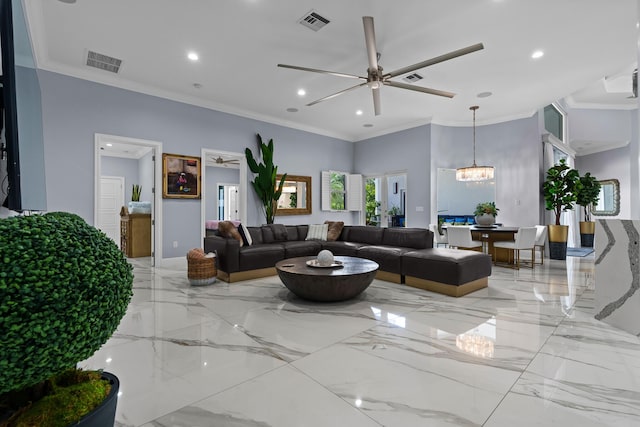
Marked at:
<point>420,89</point>
<point>437,59</point>
<point>377,105</point>
<point>315,70</point>
<point>336,94</point>
<point>370,40</point>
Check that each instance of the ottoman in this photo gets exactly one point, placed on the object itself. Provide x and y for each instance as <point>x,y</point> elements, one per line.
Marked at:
<point>447,271</point>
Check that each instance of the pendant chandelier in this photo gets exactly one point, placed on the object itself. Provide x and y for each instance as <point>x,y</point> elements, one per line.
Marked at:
<point>474,172</point>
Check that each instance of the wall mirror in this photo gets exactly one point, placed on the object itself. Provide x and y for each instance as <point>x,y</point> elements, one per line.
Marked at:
<point>296,195</point>
<point>460,198</point>
<point>609,201</point>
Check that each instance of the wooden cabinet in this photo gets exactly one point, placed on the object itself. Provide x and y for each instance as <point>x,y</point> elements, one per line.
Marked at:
<point>135,235</point>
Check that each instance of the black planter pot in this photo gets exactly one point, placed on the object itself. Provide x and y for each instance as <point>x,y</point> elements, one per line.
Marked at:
<point>586,240</point>
<point>105,414</point>
<point>558,250</point>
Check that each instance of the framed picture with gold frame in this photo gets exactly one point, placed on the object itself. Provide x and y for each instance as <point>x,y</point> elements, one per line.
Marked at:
<point>180,177</point>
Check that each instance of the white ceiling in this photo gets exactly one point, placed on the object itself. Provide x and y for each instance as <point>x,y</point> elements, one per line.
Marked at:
<point>241,41</point>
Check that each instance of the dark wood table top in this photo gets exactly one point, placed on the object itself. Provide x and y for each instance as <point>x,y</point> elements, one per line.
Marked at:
<point>350,266</point>
<point>492,229</point>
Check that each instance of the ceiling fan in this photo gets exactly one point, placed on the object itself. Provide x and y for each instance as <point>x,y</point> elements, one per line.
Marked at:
<point>375,79</point>
<point>221,161</point>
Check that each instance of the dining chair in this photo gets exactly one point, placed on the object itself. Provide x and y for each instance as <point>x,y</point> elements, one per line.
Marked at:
<point>460,238</point>
<point>525,239</point>
<point>541,239</point>
<point>439,239</point>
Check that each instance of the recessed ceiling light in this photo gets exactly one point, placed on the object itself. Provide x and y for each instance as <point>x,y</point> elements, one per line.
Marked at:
<point>367,125</point>
<point>537,54</point>
<point>359,112</point>
<point>109,144</point>
<point>484,94</point>
<point>302,92</point>
<point>292,110</point>
<point>193,56</point>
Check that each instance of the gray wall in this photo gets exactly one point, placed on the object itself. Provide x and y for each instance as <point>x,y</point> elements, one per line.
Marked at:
<point>74,110</point>
<point>610,164</point>
<point>127,168</point>
<point>409,151</point>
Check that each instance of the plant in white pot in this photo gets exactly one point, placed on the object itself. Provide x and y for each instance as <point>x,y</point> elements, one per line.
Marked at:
<point>485,213</point>
<point>64,287</point>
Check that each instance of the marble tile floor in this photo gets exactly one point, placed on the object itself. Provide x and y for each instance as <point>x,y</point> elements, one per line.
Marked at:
<point>525,351</point>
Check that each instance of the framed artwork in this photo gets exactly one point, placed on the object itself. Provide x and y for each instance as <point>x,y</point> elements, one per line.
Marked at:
<point>180,177</point>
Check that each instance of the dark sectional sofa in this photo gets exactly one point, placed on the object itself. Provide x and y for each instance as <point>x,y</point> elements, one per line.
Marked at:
<point>448,271</point>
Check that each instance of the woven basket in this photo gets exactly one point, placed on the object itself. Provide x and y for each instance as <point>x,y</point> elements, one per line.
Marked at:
<point>201,271</point>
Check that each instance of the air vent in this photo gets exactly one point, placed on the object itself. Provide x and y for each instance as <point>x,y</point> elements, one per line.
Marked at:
<point>313,20</point>
<point>103,62</point>
<point>412,78</point>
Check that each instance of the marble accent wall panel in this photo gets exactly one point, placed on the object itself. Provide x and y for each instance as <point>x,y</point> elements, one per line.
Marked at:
<point>617,297</point>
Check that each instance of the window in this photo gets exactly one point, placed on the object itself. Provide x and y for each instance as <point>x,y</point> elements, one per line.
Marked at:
<point>341,191</point>
<point>554,121</point>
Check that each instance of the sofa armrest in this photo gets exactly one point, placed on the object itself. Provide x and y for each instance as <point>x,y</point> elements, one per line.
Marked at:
<point>228,252</point>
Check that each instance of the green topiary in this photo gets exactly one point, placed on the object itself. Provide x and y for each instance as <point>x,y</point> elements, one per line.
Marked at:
<point>64,287</point>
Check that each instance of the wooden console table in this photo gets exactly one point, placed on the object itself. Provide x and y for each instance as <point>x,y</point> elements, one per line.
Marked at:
<point>135,235</point>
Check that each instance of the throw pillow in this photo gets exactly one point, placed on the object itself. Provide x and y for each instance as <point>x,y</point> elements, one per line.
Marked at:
<point>228,230</point>
<point>335,228</point>
<point>317,232</point>
<point>246,236</point>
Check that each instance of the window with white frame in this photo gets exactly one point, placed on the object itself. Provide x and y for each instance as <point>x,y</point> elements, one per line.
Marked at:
<point>341,191</point>
<point>555,121</point>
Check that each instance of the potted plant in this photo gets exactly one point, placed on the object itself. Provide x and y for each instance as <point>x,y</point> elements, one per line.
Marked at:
<point>486,213</point>
<point>559,190</point>
<point>264,183</point>
<point>135,193</point>
<point>64,287</point>
<point>587,195</point>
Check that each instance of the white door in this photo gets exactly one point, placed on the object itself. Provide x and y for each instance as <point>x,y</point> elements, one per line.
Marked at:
<point>110,203</point>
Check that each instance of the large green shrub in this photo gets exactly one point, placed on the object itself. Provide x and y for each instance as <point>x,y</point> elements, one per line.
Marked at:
<point>64,287</point>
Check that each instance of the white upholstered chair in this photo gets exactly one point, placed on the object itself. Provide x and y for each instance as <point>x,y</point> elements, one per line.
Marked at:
<point>525,240</point>
<point>439,239</point>
<point>541,239</point>
<point>460,238</point>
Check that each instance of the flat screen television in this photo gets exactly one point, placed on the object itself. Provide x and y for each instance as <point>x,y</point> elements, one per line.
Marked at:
<point>22,168</point>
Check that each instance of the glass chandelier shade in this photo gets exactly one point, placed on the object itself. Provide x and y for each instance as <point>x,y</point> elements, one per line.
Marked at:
<point>474,172</point>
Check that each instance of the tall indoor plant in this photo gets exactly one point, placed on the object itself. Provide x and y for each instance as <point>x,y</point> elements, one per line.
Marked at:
<point>587,195</point>
<point>559,190</point>
<point>64,287</point>
<point>265,183</point>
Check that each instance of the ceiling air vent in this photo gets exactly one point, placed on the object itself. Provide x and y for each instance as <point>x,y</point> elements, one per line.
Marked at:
<point>313,20</point>
<point>103,62</point>
<point>412,78</point>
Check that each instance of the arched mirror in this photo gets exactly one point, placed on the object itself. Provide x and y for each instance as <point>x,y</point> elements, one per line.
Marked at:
<point>296,195</point>
<point>609,198</point>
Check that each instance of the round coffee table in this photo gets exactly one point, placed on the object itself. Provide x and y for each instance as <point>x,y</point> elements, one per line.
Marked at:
<point>327,284</point>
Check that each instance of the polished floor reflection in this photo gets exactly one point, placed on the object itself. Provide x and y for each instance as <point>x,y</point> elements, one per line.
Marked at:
<point>525,351</point>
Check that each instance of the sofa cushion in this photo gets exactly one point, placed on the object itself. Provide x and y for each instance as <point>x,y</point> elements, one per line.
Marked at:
<point>335,229</point>
<point>294,249</point>
<point>274,233</point>
<point>260,256</point>
<point>302,231</point>
<point>317,232</point>
<point>417,238</point>
<point>366,234</point>
<point>342,248</point>
<point>256,235</point>
<point>389,258</point>
<point>228,230</point>
<point>292,232</point>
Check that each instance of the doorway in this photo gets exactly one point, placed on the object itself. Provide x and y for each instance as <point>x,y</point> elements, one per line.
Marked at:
<point>135,161</point>
<point>386,200</point>
<point>229,170</point>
